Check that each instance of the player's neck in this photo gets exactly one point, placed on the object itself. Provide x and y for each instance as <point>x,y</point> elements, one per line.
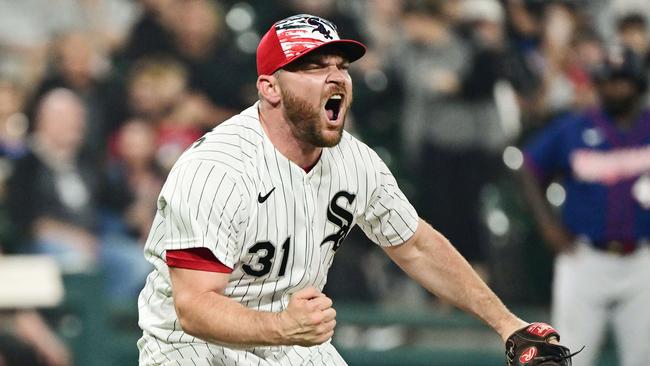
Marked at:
<point>278,131</point>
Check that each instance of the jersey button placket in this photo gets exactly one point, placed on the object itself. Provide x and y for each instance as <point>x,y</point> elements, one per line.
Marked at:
<point>309,188</point>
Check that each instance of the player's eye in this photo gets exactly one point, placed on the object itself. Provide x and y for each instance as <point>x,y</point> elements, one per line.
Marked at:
<point>313,66</point>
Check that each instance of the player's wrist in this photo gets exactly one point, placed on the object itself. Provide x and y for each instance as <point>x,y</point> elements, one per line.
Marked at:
<point>276,330</point>
<point>509,327</point>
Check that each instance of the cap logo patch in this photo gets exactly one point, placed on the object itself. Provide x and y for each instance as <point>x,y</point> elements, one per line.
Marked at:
<point>320,27</point>
<point>295,36</point>
<point>302,32</point>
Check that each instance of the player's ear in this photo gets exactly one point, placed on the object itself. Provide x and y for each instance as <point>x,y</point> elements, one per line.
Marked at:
<point>269,89</point>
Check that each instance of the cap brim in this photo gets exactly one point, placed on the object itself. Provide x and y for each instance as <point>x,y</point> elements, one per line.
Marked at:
<point>353,50</point>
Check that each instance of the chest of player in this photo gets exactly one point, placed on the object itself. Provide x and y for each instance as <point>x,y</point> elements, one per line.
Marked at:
<point>608,168</point>
<point>598,154</point>
<point>299,219</point>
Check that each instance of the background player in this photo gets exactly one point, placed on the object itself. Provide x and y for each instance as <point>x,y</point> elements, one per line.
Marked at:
<point>251,216</point>
<point>602,270</point>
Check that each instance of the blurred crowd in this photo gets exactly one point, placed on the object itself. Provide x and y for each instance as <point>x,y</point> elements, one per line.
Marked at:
<point>99,97</point>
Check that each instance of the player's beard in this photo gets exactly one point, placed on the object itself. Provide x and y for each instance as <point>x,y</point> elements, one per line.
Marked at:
<point>305,120</point>
<point>620,106</point>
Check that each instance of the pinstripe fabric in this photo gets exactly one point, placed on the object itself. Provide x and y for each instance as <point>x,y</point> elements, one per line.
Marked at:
<point>277,226</point>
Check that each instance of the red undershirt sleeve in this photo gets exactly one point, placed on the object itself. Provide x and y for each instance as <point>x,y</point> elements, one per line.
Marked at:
<point>201,259</point>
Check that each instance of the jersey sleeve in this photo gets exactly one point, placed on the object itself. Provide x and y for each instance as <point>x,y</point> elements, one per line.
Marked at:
<point>389,218</point>
<point>203,208</point>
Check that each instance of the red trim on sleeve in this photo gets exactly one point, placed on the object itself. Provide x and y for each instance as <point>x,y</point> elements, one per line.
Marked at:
<point>201,259</point>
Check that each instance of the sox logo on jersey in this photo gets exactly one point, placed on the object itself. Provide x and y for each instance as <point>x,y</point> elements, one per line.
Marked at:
<point>340,217</point>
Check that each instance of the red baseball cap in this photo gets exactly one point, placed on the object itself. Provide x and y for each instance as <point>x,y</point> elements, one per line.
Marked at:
<point>298,35</point>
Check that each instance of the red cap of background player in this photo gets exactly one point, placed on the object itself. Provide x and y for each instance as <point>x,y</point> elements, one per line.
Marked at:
<point>298,35</point>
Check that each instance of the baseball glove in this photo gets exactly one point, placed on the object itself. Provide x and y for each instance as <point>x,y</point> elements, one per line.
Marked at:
<point>529,346</point>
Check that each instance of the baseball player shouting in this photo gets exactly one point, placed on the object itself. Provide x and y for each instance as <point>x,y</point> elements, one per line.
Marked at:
<point>251,216</point>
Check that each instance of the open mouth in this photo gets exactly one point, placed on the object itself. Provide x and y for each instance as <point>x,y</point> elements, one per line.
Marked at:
<point>333,106</point>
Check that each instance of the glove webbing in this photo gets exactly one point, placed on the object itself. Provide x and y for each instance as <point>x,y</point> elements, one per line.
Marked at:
<point>557,358</point>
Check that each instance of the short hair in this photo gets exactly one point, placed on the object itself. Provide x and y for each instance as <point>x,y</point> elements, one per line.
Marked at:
<point>158,67</point>
<point>424,7</point>
<point>631,20</point>
<point>586,34</point>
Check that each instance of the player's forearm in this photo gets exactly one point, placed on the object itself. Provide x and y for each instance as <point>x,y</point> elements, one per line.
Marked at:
<point>549,225</point>
<point>218,319</point>
<point>432,261</point>
<point>535,197</point>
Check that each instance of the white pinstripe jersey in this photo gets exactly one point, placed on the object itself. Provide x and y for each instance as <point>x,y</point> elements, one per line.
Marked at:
<point>276,225</point>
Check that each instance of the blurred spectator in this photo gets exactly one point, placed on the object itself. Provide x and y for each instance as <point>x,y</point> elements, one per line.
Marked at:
<point>133,182</point>
<point>378,25</point>
<point>193,32</point>
<point>27,28</point>
<point>493,66</point>
<point>484,20</point>
<point>27,340</point>
<point>13,122</point>
<point>53,195</point>
<point>150,34</point>
<point>587,52</point>
<point>109,21</point>
<point>25,337</point>
<point>558,92</point>
<point>78,65</point>
<point>157,93</point>
<point>544,33</point>
<point>25,31</point>
<point>154,86</point>
<point>602,268</point>
<point>377,83</point>
<point>431,61</point>
<point>444,139</point>
<point>605,13</point>
<point>632,32</point>
<point>13,130</point>
<point>524,35</point>
<point>217,70</point>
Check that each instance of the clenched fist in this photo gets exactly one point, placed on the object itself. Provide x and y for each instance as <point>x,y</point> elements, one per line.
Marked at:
<point>309,319</point>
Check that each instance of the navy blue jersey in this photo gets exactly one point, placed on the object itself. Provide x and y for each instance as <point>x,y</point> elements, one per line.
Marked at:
<point>605,171</point>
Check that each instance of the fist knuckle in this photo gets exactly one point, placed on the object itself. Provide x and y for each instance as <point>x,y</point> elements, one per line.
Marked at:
<point>315,318</point>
